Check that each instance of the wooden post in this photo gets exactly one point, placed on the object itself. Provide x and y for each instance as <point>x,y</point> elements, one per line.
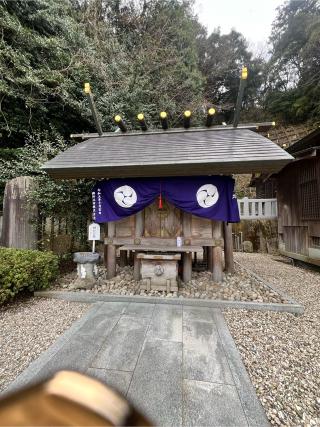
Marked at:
<point>210,258</point>
<point>138,232</point>
<point>123,258</point>
<point>228,248</point>
<point>130,260</point>
<point>187,257</point>
<point>217,272</point>
<point>105,247</point>
<point>105,255</point>
<point>111,251</point>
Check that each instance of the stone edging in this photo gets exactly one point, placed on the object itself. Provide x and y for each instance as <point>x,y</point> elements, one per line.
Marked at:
<point>266,284</point>
<point>251,405</point>
<point>86,297</point>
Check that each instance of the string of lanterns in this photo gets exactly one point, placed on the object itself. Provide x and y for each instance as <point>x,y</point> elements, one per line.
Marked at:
<point>164,120</point>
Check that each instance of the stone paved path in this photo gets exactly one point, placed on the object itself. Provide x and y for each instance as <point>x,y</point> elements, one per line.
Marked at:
<point>178,364</point>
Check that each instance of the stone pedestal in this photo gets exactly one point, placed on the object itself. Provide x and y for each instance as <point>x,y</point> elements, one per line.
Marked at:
<point>87,271</point>
<point>159,272</point>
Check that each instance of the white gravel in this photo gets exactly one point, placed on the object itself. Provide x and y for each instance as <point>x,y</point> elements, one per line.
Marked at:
<point>282,351</point>
<point>237,287</point>
<point>27,328</point>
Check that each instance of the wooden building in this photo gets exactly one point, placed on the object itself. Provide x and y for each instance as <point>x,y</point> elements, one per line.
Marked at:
<point>298,194</point>
<point>218,150</point>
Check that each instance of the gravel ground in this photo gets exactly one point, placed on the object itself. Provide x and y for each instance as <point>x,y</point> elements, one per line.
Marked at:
<point>27,328</point>
<point>282,351</point>
<point>238,287</point>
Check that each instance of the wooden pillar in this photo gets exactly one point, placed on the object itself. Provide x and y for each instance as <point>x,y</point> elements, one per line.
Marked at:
<point>105,246</point>
<point>111,251</point>
<point>123,258</point>
<point>187,257</point>
<point>105,255</point>
<point>195,258</point>
<point>217,273</point>
<point>210,258</point>
<point>228,248</point>
<point>138,232</point>
<point>130,260</point>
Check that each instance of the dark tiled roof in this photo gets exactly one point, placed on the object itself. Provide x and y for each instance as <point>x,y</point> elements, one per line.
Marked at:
<point>312,140</point>
<point>165,153</point>
<point>286,135</point>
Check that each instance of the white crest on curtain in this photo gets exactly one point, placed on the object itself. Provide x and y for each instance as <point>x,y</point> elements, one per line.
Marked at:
<point>125,196</point>
<point>207,195</point>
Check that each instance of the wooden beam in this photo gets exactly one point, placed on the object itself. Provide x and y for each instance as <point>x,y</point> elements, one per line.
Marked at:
<point>228,248</point>
<point>94,111</point>
<point>187,257</point>
<point>111,252</point>
<point>217,273</point>
<point>161,241</point>
<point>263,126</point>
<point>243,82</point>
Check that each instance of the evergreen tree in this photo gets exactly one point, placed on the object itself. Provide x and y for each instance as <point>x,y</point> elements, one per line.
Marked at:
<point>294,67</point>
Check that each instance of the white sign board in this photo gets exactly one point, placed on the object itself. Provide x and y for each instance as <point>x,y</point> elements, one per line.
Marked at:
<point>94,231</point>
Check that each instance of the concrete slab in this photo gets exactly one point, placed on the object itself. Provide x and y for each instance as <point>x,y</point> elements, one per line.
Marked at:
<point>166,323</point>
<point>156,386</point>
<point>119,380</point>
<point>209,404</point>
<point>146,355</point>
<point>203,355</point>
<point>99,325</point>
<point>141,310</point>
<point>113,309</point>
<point>123,345</point>
<point>202,314</point>
<point>75,355</point>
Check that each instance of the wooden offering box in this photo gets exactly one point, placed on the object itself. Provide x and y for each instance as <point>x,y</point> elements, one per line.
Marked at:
<point>159,272</point>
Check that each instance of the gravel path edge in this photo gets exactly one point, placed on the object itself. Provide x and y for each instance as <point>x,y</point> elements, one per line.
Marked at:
<point>222,304</point>
<point>31,371</point>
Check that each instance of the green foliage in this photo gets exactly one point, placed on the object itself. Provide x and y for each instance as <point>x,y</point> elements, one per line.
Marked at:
<point>41,67</point>
<point>136,59</point>
<point>294,67</point>
<point>65,199</point>
<point>222,57</point>
<point>22,269</point>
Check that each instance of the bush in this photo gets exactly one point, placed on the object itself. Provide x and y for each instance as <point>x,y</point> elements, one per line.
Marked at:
<point>24,269</point>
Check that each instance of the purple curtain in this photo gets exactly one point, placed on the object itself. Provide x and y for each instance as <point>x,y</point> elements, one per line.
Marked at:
<point>205,196</point>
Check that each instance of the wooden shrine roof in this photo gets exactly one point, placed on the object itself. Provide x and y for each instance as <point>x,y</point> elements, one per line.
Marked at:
<point>310,141</point>
<point>287,135</point>
<point>169,153</point>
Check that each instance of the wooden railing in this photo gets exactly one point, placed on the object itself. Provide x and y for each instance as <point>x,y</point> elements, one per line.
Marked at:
<point>258,208</point>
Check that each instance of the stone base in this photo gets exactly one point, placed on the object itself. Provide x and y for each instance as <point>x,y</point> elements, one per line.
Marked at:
<point>170,286</point>
<point>87,283</point>
<point>159,272</point>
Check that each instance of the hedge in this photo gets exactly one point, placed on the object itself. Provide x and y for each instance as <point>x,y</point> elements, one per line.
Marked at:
<point>25,269</point>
